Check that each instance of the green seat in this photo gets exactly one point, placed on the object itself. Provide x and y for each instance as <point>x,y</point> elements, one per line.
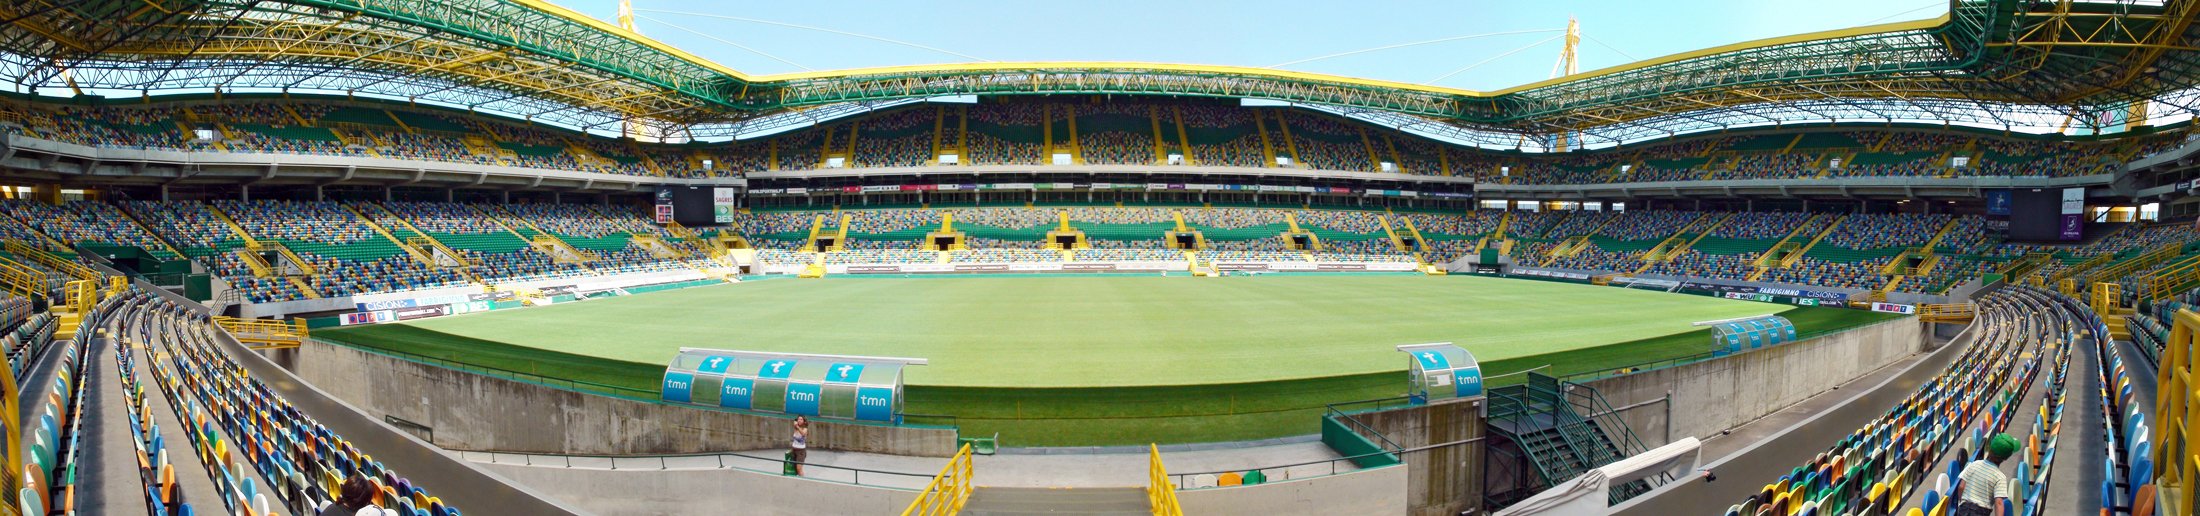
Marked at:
<point>981,445</point>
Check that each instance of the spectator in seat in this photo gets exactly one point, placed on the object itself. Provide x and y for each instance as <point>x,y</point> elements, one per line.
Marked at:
<point>1985,487</point>
<point>357,497</point>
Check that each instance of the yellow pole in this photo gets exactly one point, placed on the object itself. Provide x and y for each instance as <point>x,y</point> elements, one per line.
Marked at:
<point>1183,142</point>
<point>825,150</point>
<point>962,133</point>
<point>1160,150</point>
<point>1392,144</point>
<point>1046,133</point>
<point>1267,150</point>
<point>1374,162</point>
<point>1283,125</point>
<point>939,117</point>
<point>10,457</point>
<point>1076,148</point>
<point>849,157</point>
<point>1443,159</point>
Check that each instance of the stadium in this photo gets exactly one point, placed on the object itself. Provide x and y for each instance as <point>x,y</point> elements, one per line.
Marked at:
<point>443,257</point>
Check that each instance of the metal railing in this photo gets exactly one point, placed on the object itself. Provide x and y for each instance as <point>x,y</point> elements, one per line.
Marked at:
<point>507,374</point>
<point>1949,312</point>
<point>1159,492</point>
<point>1370,405</point>
<point>1501,380</point>
<point>599,389</point>
<point>1357,427</point>
<point>882,479</point>
<point>264,332</point>
<point>948,491</point>
<point>1652,365</point>
<point>1335,466</point>
<point>1339,465</point>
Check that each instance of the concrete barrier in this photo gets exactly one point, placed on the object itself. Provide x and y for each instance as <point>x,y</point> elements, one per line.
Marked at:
<point>1445,480</point>
<point>1720,394</point>
<point>1743,472</point>
<point>459,410</point>
<point>1368,491</point>
<point>462,484</point>
<point>706,491</point>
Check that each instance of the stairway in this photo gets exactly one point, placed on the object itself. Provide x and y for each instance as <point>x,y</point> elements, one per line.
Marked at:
<point>1042,500</point>
<point>1543,417</point>
<point>231,223</point>
<point>414,252</point>
<point>541,241</point>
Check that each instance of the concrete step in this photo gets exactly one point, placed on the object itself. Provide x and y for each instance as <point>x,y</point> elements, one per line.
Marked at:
<point>1040,500</point>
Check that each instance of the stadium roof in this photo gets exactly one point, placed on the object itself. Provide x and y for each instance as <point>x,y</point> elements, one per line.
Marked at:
<point>1990,63</point>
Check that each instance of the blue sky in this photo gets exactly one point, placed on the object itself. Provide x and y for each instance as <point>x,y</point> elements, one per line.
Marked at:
<point>1245,33</point>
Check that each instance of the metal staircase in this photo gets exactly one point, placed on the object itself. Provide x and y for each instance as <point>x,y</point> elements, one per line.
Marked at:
<point>1564,429</point>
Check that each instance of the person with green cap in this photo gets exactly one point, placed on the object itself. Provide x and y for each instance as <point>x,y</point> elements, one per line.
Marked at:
<point>1984,485</point>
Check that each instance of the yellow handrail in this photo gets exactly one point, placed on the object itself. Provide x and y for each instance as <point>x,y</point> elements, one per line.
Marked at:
<point>2173,410</point>
<point>1953,312</point>
<point>11,457</point>
<point>21,279</point>
<point>50,261</point>
<point>1159,491</point>
<point>2163,283</point>
<point>265,332</point>
<point>948,490</point>
<point>80,295</point>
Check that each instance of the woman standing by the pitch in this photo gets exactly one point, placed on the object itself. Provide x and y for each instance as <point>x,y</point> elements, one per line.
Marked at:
<point>801,443</point>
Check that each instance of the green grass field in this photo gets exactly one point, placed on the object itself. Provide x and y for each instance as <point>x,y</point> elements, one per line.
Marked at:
<point>1056,361</point>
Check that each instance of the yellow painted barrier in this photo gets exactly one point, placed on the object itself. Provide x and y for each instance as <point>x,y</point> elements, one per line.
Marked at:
<point>948,491</point>
<point>265,334</point>
<point>1159,491</point>
<point>2177,461</point>
<point>1952,312</point>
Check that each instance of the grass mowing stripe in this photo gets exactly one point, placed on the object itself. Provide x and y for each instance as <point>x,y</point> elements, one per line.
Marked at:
<point>498,355</point>
<point>1570,320</point>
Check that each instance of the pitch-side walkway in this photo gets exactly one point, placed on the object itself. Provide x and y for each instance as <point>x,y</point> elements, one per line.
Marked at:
<point>1006,470</point>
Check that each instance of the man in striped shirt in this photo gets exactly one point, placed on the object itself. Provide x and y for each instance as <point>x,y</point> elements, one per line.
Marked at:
<point>1984,485</point>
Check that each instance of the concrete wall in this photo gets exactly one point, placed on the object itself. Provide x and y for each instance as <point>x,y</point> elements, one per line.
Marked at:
<point>462,484</point>
<point>1367,491</point>
<point>1442,481</point>
<point>1717,395</point>
<point>705,491</point>
<point>1744,472</point>
<point>471,412</point>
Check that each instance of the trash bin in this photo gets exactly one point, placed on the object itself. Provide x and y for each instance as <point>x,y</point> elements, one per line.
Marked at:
<point>1255,477</point>
<point>787,468</point>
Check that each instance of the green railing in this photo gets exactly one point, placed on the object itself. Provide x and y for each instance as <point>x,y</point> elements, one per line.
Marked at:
<point>1652,365</point>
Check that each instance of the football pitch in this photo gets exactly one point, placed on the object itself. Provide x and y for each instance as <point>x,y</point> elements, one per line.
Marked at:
<point>1090,360</point>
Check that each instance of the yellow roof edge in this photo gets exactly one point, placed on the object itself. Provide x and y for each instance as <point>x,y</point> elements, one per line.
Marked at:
<point>1073,65</point>
<point>575,16</point>
<point>1929,23</point>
